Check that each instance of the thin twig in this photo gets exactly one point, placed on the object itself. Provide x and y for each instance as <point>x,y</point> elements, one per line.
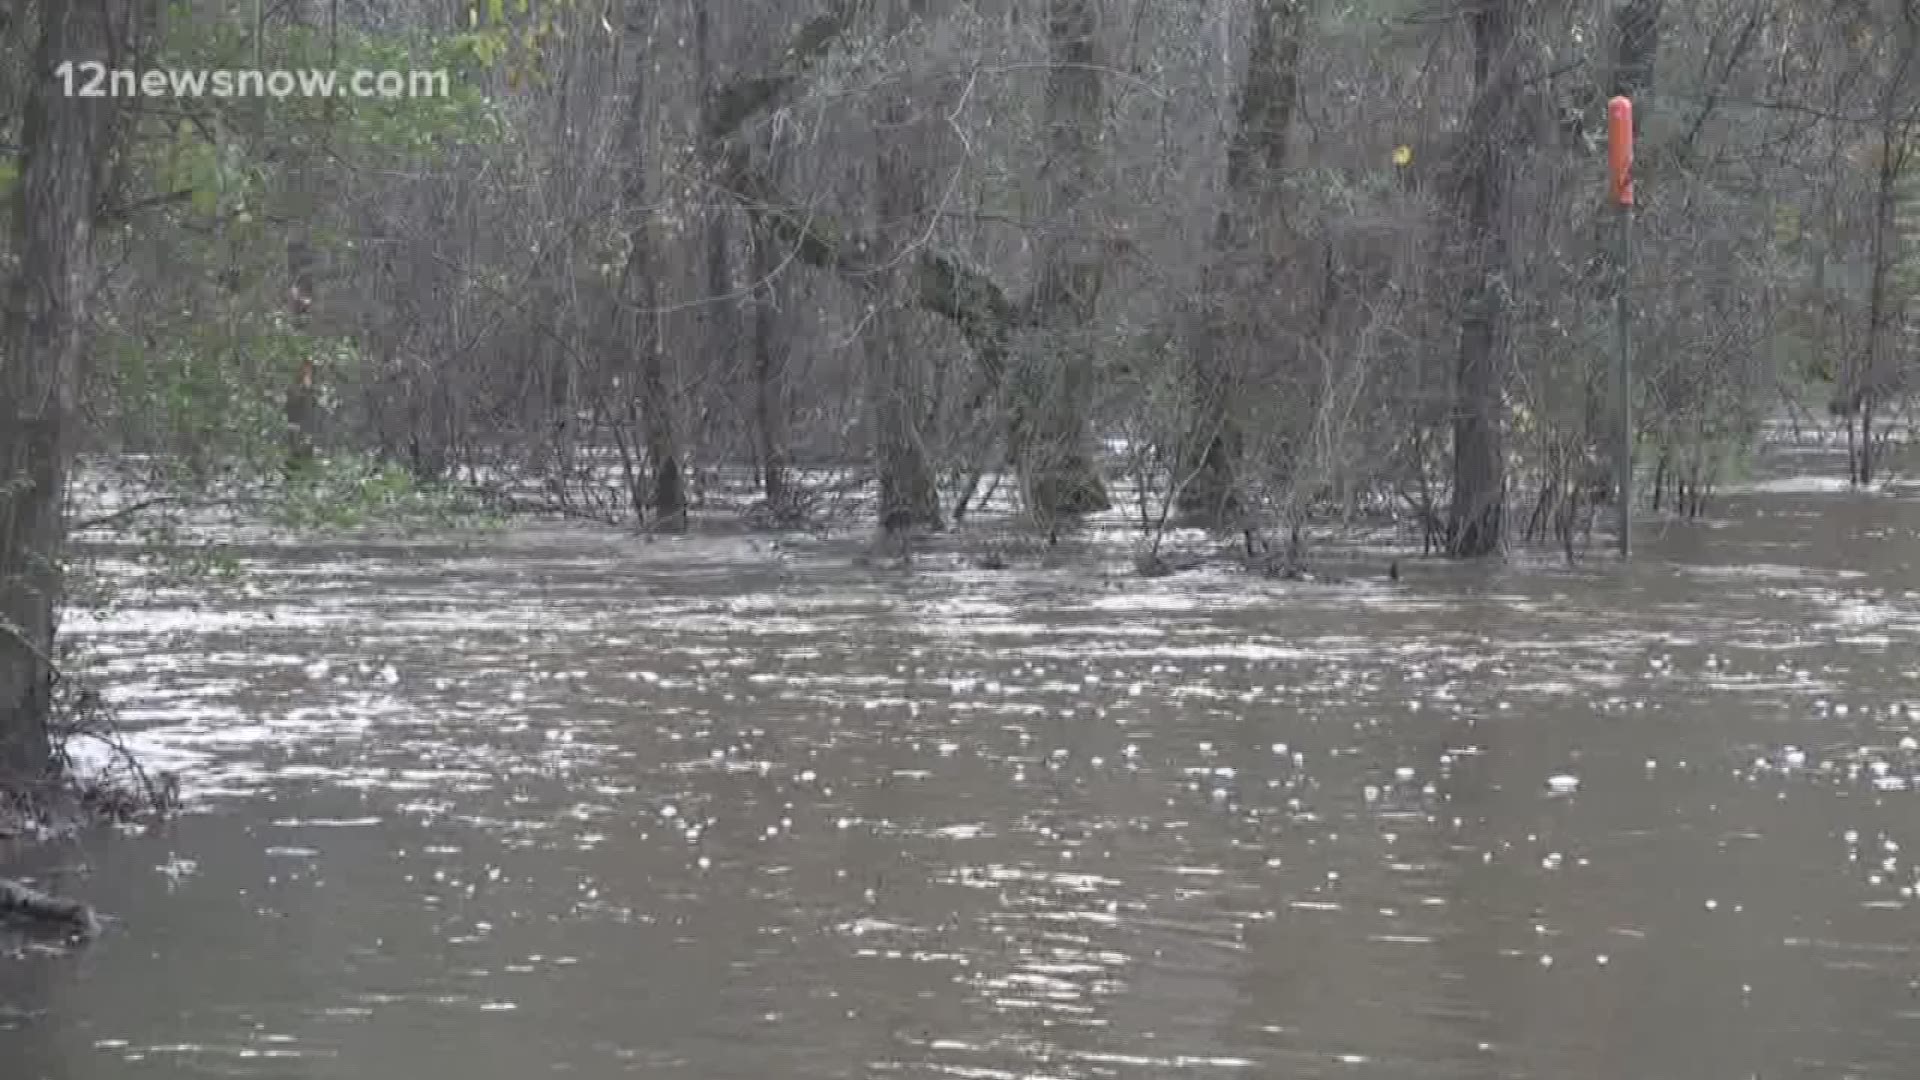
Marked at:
<point>26,643</point>
<point>117,516</point>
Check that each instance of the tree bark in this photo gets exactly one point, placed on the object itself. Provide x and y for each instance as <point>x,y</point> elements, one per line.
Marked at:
<point>1049,426</point>
<point>720,308</point>
<point>1477,514</point>
<point>303,401</point>
<point>67,143</point>
<point>301,206</point>
<point>769,379</point>
<point>731,106</point>
<point>638,319</point>
<point>895,376</point>
<point>1636,30</point>
<point>1868,381</point>
<point>1256,158</point>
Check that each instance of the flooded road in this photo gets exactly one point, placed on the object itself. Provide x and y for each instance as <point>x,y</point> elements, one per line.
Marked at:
<point>558,802</point>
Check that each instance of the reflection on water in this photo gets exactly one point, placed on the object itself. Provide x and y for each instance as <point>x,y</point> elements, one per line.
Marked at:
<point>569,804</point>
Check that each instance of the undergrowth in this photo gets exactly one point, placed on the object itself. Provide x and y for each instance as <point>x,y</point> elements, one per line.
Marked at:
<point>351,492</point>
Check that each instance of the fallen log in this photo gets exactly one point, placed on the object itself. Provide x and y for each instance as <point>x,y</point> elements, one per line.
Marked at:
<point>17,901</point>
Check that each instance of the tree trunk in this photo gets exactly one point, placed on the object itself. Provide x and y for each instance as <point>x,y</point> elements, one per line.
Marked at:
<point>1636,29</point>
<point>1884,307</point>
<point>1256,158</point>
<point>19,901</point>
<point>67,144</point>
<point>1864,477</point>
<point>1050,435</point>
<point>301,207</point>
<point>638,320</point>
<point>769,379</point>
<point>909,495</point>
<point>1477,515</point>
<point>719,309</point>
<point>303,401</point>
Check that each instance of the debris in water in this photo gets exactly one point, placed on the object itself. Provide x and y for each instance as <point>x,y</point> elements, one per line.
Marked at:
<point>1563,784</point>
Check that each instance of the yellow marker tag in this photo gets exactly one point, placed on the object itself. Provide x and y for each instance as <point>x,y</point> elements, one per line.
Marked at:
<point>1403,155</point>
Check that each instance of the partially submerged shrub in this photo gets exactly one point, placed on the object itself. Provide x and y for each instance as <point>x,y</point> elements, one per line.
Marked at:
<point>93,776</point>
<point>355,491</point>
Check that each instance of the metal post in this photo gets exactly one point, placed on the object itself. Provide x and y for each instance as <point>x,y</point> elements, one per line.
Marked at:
<point>1620,173</point>
<point>1623,383</point>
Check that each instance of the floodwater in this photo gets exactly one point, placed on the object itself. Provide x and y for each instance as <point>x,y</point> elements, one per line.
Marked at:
<point>558,802</point>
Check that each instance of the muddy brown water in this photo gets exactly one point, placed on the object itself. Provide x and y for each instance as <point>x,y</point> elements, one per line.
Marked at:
<point>561,803</point>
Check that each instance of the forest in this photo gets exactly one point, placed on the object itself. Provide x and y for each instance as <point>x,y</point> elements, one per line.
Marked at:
<point>1251,264</point>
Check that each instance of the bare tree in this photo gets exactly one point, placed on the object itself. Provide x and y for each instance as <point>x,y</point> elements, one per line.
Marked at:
<point>769,378</point>
<point>1871,376</point>
<point>1247,234</point>
<point>68,143</point>
<point>895,375</point>
<point>1050,436</point>
<point>638,336</point>
<point>1480,190</point>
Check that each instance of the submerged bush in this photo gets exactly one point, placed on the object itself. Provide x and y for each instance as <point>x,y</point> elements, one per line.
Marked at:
<point>355,491</point>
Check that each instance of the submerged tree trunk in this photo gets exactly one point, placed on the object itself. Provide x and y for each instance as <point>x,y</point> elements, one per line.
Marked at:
<point>66,141</point>
<point>1885,304</point>
<point>769,380</point>
<point>909,495</point>
<point>1481,187</point>
<point>638,321</point>
<point>301,207</point>
<point>895,375</point>
<point>17,901</point>
<point>303,400</point>
<point>1050,434</point>
<point>1256,157</point>
<point>719,308</point>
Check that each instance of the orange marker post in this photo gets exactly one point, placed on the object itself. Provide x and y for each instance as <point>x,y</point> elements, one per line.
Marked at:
<point>1620,149</point>
<point>1620,175</point>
